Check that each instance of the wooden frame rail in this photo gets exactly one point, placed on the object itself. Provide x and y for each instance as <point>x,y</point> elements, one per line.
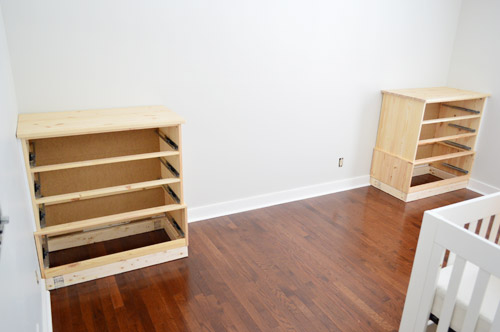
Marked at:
<point>106,220</point>
<point>86,163</point>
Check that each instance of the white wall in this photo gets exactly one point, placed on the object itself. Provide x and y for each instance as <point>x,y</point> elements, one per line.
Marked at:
<point>475,65</point>
<point>274,92</point>
<point>22,300</point>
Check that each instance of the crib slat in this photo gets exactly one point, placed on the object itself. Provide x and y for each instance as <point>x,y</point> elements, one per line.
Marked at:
<point>485,223</point>
<point>495,325</point>
<point>494,228</point>
<point>426,282</point>
<point>477,299</point>
<point>473,226</point>
<point>451,295</point>
<point>451,259</point>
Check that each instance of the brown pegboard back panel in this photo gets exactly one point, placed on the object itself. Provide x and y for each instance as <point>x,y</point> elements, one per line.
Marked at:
<point>100,176</point>
<point>103,206</point>
<point>50,151</point>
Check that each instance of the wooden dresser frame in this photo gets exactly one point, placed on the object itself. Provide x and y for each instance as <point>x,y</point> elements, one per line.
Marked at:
<point>100,175</point>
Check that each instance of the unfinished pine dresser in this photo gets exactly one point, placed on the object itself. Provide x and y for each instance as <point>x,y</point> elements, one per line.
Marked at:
<point>106,188</point>
<point>426,131</point>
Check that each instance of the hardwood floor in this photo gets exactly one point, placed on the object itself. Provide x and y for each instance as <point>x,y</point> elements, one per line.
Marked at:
<point>339,262</point>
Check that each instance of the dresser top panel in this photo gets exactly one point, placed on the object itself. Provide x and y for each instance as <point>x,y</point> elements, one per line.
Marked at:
<point>57,124</point>
<point>437,95</point>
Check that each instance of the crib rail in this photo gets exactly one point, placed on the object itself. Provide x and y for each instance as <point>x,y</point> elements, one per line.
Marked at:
<point>463,233</point>
<point>487,227</point>
<point>471,210</point>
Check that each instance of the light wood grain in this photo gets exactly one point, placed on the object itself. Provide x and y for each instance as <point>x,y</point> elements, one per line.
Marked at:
<point>421,170</point>
<point>391,170</point>
<point>103,161</point>
<point>450,119</point>
<point>58,199</point>
<point>462,162</point>
<point>388,189</point>
<point>438,184</point>
<point>39,249</point>
<point>31,182</point>
<point>107,220</point>
<point>100,181</point>
<point>443,157</point>
<point>414,123</point>
<point>104,234</point>
<point>120,266</point>
<point>440,173</point>
<point>57,124</point>
<point>443,129</point>
<point>439,188</point>
<point>113,258</point>
<point>445,138</point>
<point>437,95</point>
<point>399,117</point>
<point>170,229</point>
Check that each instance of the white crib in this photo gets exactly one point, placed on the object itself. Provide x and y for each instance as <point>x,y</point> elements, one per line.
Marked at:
<point>456,273</point>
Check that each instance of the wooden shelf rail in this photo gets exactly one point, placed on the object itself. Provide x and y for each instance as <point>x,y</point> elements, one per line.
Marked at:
<point>444,138</point>
<point>453,118</point>
<point>443,157</point>
<point>103,161</point>
<point>106,220</point>
<point>121,256</point>
<point>88,194</point>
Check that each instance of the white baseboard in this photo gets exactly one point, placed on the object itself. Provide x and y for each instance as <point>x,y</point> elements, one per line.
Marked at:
<point>46,310</point>
<point>481,187</point>
<point>280,197</point>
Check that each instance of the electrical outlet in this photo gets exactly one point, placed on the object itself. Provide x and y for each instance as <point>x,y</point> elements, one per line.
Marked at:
<point>341,162</point>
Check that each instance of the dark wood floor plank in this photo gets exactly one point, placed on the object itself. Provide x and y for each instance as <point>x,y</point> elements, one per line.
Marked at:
<point>338,262</point>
